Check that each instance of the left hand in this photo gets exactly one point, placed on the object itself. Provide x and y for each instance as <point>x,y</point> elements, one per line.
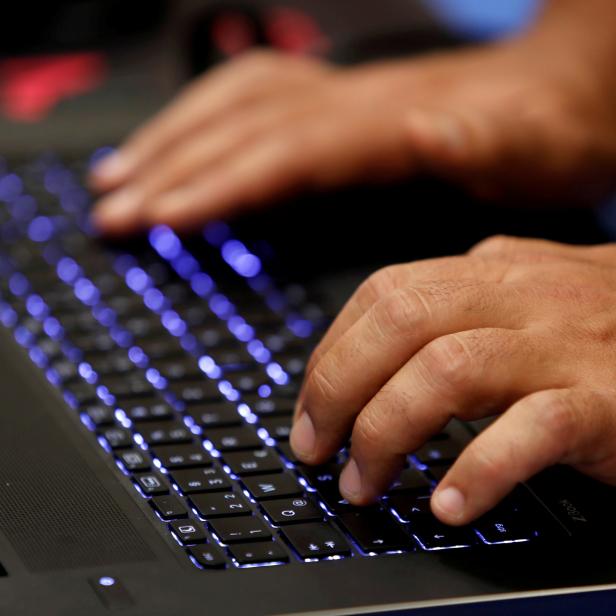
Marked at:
<point>525,328</point>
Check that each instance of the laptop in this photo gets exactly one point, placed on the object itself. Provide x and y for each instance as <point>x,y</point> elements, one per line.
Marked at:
<point>147,392</point>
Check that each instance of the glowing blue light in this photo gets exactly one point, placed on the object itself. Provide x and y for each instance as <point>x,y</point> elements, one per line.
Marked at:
<point>137,356</point>
<point>153,376</point>
<point>36,306</point>
<point>221,306</point>
<point>121,336</point>
<point>52,327</point>
<point>137,280</point>
<point>41,229</point>
<point>216,233</point>
<point>165,242</point>
<point>106,581</point>
<point>86,292</point>
<point>154,299</point>
<point>87,373</point>
<point>206,364</point>
<point>201,284</point>
<point>68,270</point>
<point>23,208</point>
<point>18,284</point>
<point>38,357</point>
<point>277,374</point>
<point>186,265</point>
<point>240,329</point>
<point>259,351</point>
<point>302,328</point>
<point>123,263</point>
<point>264,391</point>
<point>98,155</point>
<point>104,315</point>
<point>57,179</point>
<point>24,336</point>
<point>11,187</point>
<point>241,259</point>
<point>173,323</point>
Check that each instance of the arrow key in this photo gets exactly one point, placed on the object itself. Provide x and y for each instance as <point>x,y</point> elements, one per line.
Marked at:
<point>241,529</point>
<point>375,531</point>
<point>259,553</point>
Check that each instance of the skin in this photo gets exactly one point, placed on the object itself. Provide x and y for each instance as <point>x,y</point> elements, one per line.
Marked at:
<point>522,329</point>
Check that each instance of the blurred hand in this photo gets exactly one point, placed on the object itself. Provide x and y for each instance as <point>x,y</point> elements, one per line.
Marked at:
<point>525,328</point>
<point>266,125</point>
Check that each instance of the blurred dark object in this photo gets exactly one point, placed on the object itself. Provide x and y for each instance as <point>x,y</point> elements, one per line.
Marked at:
<point>33,26</point>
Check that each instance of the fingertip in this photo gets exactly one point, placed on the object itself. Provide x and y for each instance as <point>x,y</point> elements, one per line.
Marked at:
<point>118,212</point>
<point>111,171</point>
<point>437,131</point>
<point>303,438</point>
<point>450,505</point>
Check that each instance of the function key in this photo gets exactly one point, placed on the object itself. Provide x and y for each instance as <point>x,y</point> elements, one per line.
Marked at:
<point>264,487</point>
<point>292,510</point>
<point>220,505</point>
<point>169,507</point>
<point>279,428</point>
<point>241,529</point>
<point>134,460</point>
<point>233,439</point>
<point>151,484</point>
<point>188,532</point>
<point>195,480</point>
<point>316,540</point>
<point>182,456</point>
<point>253,462</point>
<point>208,556</point>
<point>252,554</point>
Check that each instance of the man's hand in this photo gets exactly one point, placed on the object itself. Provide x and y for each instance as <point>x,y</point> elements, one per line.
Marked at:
<point>520,327</point>
<point>526,117</point>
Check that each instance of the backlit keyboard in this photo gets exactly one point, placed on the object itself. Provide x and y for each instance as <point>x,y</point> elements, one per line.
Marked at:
<point>183,359</point>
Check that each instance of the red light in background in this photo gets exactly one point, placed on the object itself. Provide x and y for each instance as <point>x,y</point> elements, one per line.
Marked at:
<point>31,87</point>
<point>295,32</point>
<point>233,32</point>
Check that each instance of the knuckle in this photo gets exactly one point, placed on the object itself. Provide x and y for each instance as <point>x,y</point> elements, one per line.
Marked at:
<point>368,428</point>
<point>447,363</point>
<point>321,388</point>
<point>491,465</point>
<point>555,415</point>
<point>401,312</point>
<point>496,245</point>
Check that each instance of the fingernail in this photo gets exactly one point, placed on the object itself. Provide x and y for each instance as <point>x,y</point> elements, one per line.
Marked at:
<point>438,128</point>
<point>117,207</point>
<point>451,502</point>
<point>303,437</point>
<point>112,168</point>
<point>350,480</point>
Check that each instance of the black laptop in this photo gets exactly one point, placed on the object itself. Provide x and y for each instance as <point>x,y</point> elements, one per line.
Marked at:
<point>147,390</point>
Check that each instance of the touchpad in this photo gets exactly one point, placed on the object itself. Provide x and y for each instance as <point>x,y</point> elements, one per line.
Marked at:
<point>55,511</point>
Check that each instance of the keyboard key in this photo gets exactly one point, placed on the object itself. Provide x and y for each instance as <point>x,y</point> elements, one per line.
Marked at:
<point>268,407</point>
<point>439,452</point>
<point>161,348</point>
<point>410,480</point>
<point>287,452</point>
<point>233,439</point>
<point>216,415</point>
<point>253,462</point>
<point>181,368</point>
<point>375,531</point>
<point>100,415</point>
<point>279,428</point>
<point>66,370</point>
<point>502,527</point>
<point>129,386</point>
<point>117,438</point>
<point>147,409</point>
<point>241,529</point>
<point>151,484</point>
<point>83,393</point>
<point>191,392</point>
<point>433,535</point>
<point>208,556</point>
<point>211,479</point>
<point>292,510</point>
<point>110,364</point>
<point>316,540</point>
<point>252,554</point>
<point>438,472</point>
<point>222,505</point>
<point>188,532</point>
<point>264,487</point>
<point>169,507</point>
<point>165,433</point>
<point>134,460</point>
<point>182,456</point>
<point>408,506</point>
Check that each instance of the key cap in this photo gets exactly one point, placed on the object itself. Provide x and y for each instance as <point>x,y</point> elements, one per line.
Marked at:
<point>433,535</point>
<point>208,556</point>
<point>151,484</point>
<point>110,364</point>
<point>216,415</point>
<point>268,407</point>
<point>100,415</point>
<point>210,479</point>
<point>134,460</point>
<point>98,342</point>
<point>66,370</point>
<point>241,529</point>
<point>117,438</point>
<point>253,462</point>
<point>147,409</point>
<point>439,452</point>
<point>191,392</point>
<point>169,507</point>
<point>221,505</point>
<point>129,386</point>
<point>408,506</point>
<point>438,472</point>
<point>188,532</point>
<point>269,552</point>
<point>316,540</point>
<point>410,480</point>
<point>233,439</point>
<point>279,428</point>
<point>375,531</point>
<point>165,433</point>
<point>292,510</point>
<point>500,527</point>
<point>182,456</point>
<point>83,393</point>
<point>264,487</point>
<point>161,348</point>
<point>181,368</point>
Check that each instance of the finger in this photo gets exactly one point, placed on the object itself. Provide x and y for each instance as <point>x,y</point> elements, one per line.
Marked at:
<point>467,375</point>
<point>571,426</point>
<point>221,92</point>
<point>386,280</point>
<point>380,343</point>
<point>125,210</point>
